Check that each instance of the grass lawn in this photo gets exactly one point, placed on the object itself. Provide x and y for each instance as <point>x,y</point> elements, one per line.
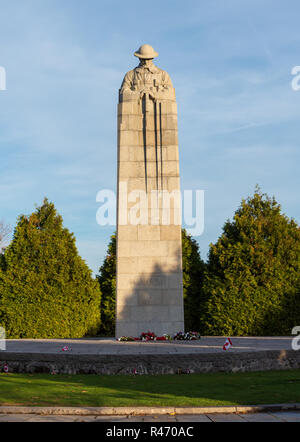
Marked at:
<point>167,390</point>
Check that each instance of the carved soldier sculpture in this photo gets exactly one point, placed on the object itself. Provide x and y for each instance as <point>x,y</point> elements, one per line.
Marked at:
<point>149,257</point>
<point>147,78</point>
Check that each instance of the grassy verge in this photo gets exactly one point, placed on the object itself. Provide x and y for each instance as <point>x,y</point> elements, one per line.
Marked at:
<point>211,389</point>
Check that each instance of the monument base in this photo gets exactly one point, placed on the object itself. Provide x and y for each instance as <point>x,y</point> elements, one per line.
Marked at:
<point>110,357</point>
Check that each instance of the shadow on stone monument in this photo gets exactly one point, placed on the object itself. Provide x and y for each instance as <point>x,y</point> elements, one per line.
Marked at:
<point>153,301</point>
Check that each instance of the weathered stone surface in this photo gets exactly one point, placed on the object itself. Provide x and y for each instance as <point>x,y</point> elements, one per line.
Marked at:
<point>129,415</point>
<point>158,363</point>
<point>149,262</point>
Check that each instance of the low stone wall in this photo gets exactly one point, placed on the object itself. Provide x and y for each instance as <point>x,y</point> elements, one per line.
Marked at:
<point>150,364</point>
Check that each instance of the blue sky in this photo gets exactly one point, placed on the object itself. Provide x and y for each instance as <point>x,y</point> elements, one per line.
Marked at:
<point>230,62</point>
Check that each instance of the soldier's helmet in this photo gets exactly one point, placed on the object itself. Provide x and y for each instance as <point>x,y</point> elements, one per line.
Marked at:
<point>146,52</point>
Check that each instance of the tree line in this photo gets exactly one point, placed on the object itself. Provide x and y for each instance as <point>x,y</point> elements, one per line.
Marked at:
<point>249,285</point>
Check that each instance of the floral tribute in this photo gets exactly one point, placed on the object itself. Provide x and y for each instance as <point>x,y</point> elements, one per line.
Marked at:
<point>128,339</point>
<point>189,336</point>
<point>150,336</point>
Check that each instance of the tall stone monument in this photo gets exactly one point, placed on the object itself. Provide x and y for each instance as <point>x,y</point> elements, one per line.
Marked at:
<point>149,255</point>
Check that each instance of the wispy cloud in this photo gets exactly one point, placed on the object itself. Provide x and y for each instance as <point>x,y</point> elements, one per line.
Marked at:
<point>229,61</point>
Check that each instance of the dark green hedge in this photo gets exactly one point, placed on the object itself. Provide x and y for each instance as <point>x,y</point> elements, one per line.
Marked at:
<point>252,280</point>
<point>46,289</point>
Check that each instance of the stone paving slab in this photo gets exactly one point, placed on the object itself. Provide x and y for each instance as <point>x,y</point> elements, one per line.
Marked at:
<point>15,417</point>
<point>288,416</point>
<point>220,417</point>
<point>262,417</point>
<point>34,418</point>
<point>193,418</point>
<point>226,417</point>
<point>110,346</point>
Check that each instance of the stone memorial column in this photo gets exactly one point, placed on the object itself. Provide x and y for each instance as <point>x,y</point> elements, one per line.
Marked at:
<point>149,295</point>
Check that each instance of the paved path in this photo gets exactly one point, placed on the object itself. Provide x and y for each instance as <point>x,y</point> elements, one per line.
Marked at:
<point>280,416</point>
<point>106,346</point>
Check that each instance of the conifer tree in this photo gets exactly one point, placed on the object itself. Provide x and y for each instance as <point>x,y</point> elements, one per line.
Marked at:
<point>46,289</point>
<point>107,282</point>
<point>253,272</point>
<point>192,273</point>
